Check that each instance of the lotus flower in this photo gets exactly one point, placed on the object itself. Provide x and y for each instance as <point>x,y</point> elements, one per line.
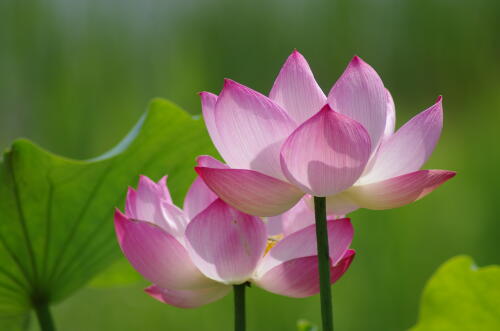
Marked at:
<point>297,141</point>
<point>194,256</point>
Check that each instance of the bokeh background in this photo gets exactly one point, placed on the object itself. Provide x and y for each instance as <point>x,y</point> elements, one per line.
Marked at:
<point>76,75</point>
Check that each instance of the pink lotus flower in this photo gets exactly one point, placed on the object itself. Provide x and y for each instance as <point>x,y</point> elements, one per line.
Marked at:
<point>194,256</point>
<point>299,141</point>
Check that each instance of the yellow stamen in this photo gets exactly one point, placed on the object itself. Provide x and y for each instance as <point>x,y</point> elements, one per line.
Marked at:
<point>272,241</point>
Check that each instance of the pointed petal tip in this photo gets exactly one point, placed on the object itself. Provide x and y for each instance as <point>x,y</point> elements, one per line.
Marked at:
<point>439,99</point>
<point>356,60</point>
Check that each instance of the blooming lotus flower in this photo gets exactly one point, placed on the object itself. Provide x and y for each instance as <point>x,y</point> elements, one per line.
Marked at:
<point>194,256</point>
<point>298,141</point>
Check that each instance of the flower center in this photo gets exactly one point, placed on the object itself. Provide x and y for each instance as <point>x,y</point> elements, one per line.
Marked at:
<point>272,241</point>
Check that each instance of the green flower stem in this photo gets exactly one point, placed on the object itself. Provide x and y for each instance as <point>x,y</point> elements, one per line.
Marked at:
<point>239,307</point>
<point>323,263</point>
<point>44,317</point>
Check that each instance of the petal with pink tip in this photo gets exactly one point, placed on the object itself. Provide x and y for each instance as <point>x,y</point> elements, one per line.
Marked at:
<point>303,244</point>
<point>198,198</point>
<point>226,244</point>
<point>326,154</point>
<point>250,191</point>
<point>298,278</point>
<point>409,148</point>
<point>188,298</point>
<point>360,94</point>
<point>157,255</point>
<point>296,90</point>
<point>251,128</point>
<point>398,191</point>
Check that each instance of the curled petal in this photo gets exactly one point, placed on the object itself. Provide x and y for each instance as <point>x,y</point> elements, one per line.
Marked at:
<point>298,278</point>
<point>409,148</point>
<point>303,244</point>
<point>251,128</point>
<point>208,101</point>
<point>250,191</point>
<point>188,298</point>
<point>390,121</point>
<point>326,154</point>
<point>360,94</point>
<point>398,191</point>
<point>296,90</point>
<point>157,255</point>
<point>226,244</point>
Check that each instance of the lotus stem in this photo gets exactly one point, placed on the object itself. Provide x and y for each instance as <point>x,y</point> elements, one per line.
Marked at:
<point>239,307</point>
<point>44,317</point>
<point>323,263</point>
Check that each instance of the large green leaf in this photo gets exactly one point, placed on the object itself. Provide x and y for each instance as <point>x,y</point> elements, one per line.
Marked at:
<point>461,297</point>
<point>56,228</point>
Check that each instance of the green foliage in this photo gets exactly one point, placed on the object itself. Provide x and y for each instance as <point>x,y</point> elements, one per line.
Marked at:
<point>461,296</point>
<point>304,325</point>
<point>56,214</point>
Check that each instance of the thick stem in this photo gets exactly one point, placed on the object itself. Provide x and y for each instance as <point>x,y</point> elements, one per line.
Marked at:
<point>44,317</point>
<point>239,307</point>
<point>323,263</point>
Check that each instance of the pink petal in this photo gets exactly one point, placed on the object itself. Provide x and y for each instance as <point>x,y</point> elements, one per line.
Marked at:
<point>360,94</point>
<point>152,203</point>
<point>210,162</point>
<point>399,191</point>
<point>296,90</point>
<point>409,148</point>
<point>390,121</point>
<point>208,101</point>
<point>188,298</point>
<point>298,278</point>
<point>340,204</point>
<point>297,218</point>
<point>303,244</point>
<point>326,154</point>
<point>157,255</point>
<point>250,191</point>
<point>225,244</point>
<point>252,128</point>
<point>198,198</point>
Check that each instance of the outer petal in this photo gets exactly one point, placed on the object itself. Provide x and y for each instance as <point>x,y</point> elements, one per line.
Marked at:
<point>157,255</point>
<point>299,278</point>
<point>326,154</point>
<point>198,198</point>
<point>225,244</point>
<point>360,94</point>
<point>250,191</point>
<point>252,128</point>
<point>296,90</point>
<point>398,191</point>
<point>409,148</point>
<point>303,244</point>
<point>188,298</point>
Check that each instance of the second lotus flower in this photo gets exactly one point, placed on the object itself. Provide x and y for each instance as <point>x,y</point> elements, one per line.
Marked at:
<point>193,256</point>
<point>298,141</point>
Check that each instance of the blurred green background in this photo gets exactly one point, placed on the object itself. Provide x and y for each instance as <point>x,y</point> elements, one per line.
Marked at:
<point>76,75</point>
